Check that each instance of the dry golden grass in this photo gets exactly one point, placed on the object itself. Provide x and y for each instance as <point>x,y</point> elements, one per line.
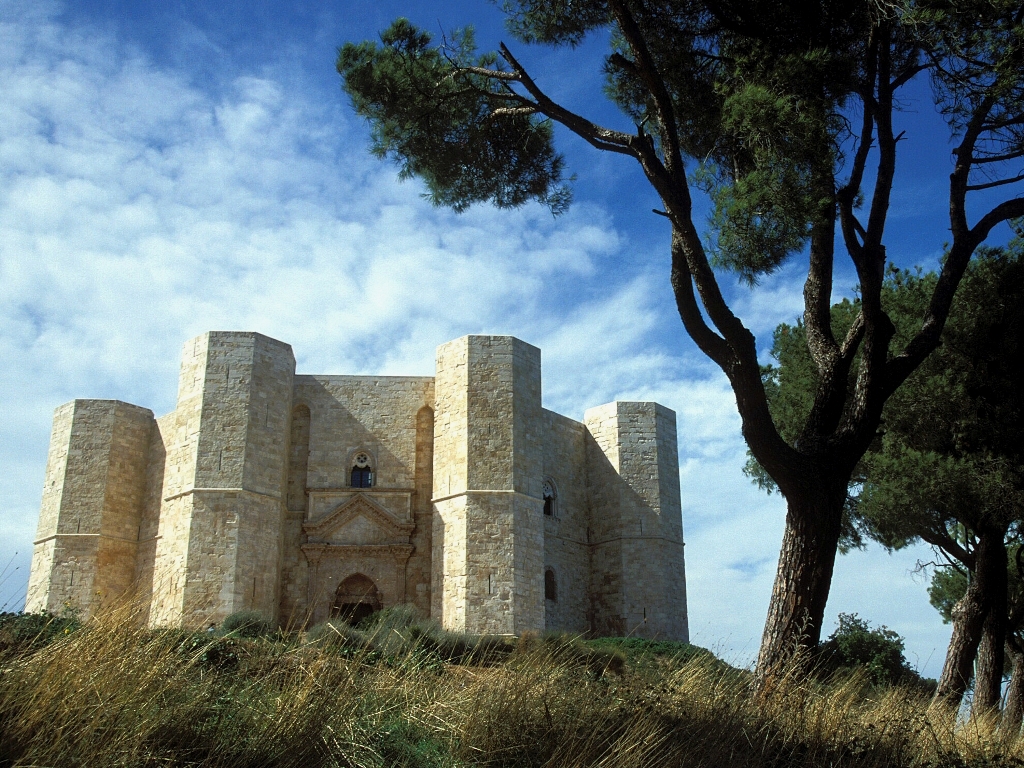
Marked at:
<point>110,694</point>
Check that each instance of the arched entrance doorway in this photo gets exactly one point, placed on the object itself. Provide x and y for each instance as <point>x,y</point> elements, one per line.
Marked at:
<point>357,597</point>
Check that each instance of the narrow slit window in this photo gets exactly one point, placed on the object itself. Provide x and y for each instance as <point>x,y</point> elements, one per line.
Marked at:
<point>550,585</point>
<point>549,498</point>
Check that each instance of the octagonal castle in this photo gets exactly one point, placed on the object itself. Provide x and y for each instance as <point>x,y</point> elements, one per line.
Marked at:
<point>309,496</point>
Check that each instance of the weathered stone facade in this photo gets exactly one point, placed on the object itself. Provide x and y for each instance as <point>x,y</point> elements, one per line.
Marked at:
<point>302,496</point>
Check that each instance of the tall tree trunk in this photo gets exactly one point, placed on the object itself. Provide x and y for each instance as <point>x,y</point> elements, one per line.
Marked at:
<point>1013,711</point>
<point>969,618</point>
<point>802,580</point>
<point>988,675</point>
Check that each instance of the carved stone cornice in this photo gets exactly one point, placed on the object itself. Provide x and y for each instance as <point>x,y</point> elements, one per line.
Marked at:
<point>320,550</point>
<point>364,506</point>
<point>375,489</point>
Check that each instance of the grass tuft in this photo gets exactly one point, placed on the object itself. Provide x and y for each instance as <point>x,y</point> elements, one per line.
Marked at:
<point>247,624</point>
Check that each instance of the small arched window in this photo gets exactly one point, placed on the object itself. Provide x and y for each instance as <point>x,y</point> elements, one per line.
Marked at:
<point>362,471</point>
<point>550,498</point>
<point>550,585</point>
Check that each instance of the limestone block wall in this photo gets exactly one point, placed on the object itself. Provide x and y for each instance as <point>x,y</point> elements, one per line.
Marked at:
<point>606,520</point>
<point>145,559</point>
<point>488,529</point>
<point>298,458</point>
<point>655,586</point>
<point>89,523</point>
<point>172,487</point>
<point>449,575</point>
<point>389,418</point>
<point>418,573</point>
<point>294,577</point>
<point>220,532</point>
<point>670,617</point>
<point>451,391</point>
<point>566,549</point>
<point>528,433</point>
<point>386,569</point>
<point>637,575</point>
<point>451,477</point>
<point>241,497</point>
<point>45,582</point>
<point>372,413</point>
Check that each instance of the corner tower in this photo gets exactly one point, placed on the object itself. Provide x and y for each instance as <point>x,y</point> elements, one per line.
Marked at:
<point>222,506</point>
<point>85,548</point>
<point>638,580</point>
<point>488,531</point>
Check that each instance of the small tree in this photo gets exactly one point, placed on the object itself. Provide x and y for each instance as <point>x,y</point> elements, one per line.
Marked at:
<point>855,645</point>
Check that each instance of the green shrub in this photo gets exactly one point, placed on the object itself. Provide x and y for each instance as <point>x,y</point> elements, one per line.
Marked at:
<point>205,649</point>
<point>26,632</point>
<point>642,646</point>
<point>569,649</point>
<point>402,744</point>
<point>459,647</point>
<point>337,634</point>
<point>399,635</point>
<point>878,652</point>
<point>247,624</point>
<point>397,617</point>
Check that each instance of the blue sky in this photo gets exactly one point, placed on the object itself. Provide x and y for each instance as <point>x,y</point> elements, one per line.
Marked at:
<point>175,167</point>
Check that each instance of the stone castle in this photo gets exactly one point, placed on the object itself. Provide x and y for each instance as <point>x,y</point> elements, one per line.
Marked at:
<point>304,497</point>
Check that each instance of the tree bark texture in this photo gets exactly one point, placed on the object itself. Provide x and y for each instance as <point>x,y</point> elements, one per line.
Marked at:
<point>988,675</point>
<point>1013,709</point>
<point>969,617</point>
<point>802,580</point>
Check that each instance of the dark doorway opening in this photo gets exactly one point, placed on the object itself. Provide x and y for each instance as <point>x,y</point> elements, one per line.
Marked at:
<point>356,599</point>
<point>353,613</point>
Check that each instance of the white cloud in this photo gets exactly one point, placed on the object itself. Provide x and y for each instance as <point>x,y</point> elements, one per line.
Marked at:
<point>777,298</point>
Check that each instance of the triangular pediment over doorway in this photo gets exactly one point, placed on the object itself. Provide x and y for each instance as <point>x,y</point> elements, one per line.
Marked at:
<point>359,520</point>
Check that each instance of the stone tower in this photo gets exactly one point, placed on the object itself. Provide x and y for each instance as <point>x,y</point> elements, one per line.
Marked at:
<point>220,523</point>
<point>488,527</point>
<point>638,584</point>
<point>85,548</point>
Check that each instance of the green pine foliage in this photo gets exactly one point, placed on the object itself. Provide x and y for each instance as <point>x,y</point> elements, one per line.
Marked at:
<point>947,586</point>
<point>948,452</point>
<point>434,119</point>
